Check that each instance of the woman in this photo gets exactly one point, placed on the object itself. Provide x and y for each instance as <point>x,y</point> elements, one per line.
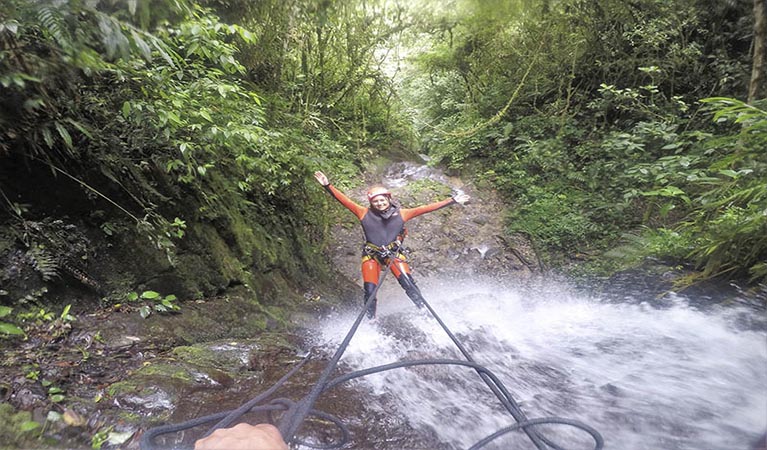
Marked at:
<point>383,223</point>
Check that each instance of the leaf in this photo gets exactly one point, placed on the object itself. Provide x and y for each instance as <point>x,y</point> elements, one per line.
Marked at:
<point>28,426</point>
<point>64,134</point>
<point>143,47</point>
<point>5,310</point>
<point>192,48</point>
<point>47,137</point>
<point>80,127</point>
<point>160,46</point>
<point>246,35</point>
<point>173,117</point>
<point>126,109</point>
<point>58,398</point>
<point>8,328</point>
<point>73,419</point>
<point>32,104</point>
<point>729,173</point>
<point>11,26</point>
<point>145,311</point>
<point>150,294</point>
<point>118,438</point>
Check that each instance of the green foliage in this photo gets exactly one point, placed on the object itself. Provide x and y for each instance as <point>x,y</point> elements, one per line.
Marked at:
<point>55,394</point>
<point>43,262</point>
<point>584,114</point>
<point>606,136</point>
<point>203,118</point>
<point>717,184</point>
<point>555,222</point>
<point>101,437</point>
<point>661,243</point>
<point>8,328</point>
<point>41,318</point>
<point>182,131</point>
<point>731,214</point>
<point>153,301</point>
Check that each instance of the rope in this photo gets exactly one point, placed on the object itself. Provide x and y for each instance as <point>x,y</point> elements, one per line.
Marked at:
<point>295,416</point>
<point>295,413</point>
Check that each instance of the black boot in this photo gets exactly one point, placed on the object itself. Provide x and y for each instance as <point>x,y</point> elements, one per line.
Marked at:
<point>369,289</point>
<point>412,291</point>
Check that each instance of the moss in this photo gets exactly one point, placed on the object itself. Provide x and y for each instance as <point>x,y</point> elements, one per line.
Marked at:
<point>196,354</point>
<point>206,264</point>
<point>121,387</point>
<point>131,417</point>
<point>240,313</point>
<point>140,381</point>
<point>206,356</point>
<point>166,371</point>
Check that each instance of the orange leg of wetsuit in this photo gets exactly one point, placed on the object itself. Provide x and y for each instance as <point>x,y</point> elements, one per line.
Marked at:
<point>371,272</point>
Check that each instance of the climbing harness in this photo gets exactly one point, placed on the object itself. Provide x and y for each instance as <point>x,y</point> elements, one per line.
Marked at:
<point>295,413</point>
<point>382,253</point>
<point>394,255</point>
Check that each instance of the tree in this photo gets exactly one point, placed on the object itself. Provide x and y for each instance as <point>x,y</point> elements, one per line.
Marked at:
<point>756,89</point>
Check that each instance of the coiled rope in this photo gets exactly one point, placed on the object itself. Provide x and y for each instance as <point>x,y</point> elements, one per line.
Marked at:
<point>295,413</point>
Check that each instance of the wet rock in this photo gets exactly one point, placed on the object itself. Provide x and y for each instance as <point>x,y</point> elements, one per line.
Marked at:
<point>148,400</point>
<point>123,343</point>
<point>26,398</point>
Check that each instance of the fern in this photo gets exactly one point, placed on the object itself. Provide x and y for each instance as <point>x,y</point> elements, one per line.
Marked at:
<point>43,262</point>
<point>54,25</point>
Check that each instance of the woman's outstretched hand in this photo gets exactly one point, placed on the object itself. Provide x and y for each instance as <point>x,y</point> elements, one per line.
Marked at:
<point>321,178</point>
<point>461,198</point>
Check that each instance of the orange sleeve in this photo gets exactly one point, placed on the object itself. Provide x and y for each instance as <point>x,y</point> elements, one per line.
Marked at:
<point>358,210</point>
<point>410,213</point>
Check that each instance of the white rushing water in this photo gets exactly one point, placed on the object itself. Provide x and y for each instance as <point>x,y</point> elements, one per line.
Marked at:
<point>646,377</point>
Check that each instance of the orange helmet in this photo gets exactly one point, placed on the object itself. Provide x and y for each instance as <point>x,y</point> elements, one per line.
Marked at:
<point>376,191</point>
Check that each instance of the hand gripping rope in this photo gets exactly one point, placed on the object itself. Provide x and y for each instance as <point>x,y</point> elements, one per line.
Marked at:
<point>296,412</point>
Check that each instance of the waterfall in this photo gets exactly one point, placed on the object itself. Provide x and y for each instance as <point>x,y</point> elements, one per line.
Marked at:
<point>675,374</point>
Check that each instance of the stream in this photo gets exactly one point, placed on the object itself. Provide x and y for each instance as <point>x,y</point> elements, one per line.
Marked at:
<point>677,373</point>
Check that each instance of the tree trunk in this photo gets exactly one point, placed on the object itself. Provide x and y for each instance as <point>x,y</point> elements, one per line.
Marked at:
<point>757,88</point>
